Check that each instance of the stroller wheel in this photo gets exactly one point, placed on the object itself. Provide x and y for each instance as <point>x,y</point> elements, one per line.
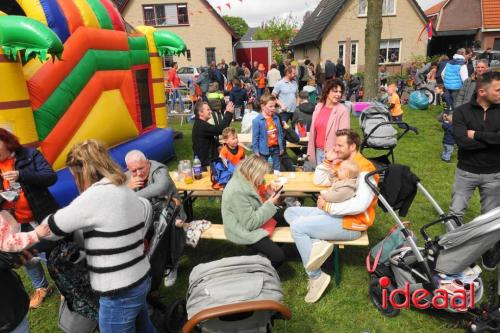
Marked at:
<point>375,292</point>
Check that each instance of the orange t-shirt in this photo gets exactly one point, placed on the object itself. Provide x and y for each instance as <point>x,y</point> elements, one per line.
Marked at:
<point>272,132</point>
<point>235,159</point>
<point>261,80</point>
<point>21,207</point>
<point>396,110</point>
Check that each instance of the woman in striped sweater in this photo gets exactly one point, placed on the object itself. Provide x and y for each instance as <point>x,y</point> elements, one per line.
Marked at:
<point>113,220</point>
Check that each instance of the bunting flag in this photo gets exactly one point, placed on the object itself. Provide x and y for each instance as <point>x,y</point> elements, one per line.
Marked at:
<point>219,8</point>
<point>228,5</point>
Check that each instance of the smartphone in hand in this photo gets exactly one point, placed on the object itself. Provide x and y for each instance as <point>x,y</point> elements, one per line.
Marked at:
<point>278,191</point>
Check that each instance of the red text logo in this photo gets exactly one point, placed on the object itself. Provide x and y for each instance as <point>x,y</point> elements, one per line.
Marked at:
<point>423,298</point>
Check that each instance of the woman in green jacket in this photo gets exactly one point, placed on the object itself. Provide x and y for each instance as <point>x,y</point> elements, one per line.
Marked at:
<point>244,213</point>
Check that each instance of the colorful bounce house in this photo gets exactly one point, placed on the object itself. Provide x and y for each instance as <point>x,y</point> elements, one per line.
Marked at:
<point>73,70</point>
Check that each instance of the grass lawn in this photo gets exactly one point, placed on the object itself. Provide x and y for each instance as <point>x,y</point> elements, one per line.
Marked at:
<point>344,309</point>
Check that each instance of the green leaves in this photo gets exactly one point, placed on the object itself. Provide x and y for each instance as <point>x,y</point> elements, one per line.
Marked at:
<point>238,24</point>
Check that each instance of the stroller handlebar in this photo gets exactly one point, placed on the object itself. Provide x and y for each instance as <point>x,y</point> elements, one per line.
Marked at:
<point>241,307</point>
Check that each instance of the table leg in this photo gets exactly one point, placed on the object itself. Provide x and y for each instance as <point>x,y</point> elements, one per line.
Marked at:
<point>188,205</point>
<point>336,264</point>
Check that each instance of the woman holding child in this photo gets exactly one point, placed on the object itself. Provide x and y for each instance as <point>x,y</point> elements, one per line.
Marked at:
<point>328,117</point>
<point>247,214</point>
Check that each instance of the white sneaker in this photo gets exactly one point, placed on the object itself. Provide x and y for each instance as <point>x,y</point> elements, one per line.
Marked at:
<point>320,251</point>
<point>170,277</point>
<point>317,287</point>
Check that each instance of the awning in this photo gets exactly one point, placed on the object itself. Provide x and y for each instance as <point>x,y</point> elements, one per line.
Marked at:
<point>469,32</point>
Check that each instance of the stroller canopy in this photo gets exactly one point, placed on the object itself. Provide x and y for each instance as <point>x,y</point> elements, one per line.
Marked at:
<point>462,246</point>
<point>375,134</point>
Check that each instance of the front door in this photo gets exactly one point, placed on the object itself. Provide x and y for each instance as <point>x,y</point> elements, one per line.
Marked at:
<point>354,57</point>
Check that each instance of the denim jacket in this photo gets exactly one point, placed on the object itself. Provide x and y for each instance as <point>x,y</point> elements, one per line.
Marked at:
<point>259,134</point>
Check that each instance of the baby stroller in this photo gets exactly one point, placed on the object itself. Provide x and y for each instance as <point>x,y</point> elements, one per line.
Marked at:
<point>234,295</point>
<point>444,263</point>
<point>379,132</point>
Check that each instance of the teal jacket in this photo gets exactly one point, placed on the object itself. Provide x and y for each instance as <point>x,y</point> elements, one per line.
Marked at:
<point>243,212</point>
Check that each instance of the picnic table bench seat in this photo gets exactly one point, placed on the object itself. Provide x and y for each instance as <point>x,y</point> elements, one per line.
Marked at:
<point>283,235</point>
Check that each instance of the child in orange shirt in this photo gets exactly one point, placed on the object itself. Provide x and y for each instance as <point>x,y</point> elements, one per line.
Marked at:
<point>231,151</point>
<point>394,103</point>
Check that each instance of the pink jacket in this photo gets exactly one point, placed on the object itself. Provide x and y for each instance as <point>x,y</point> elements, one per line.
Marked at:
<point>339,119</point>
<point>11,239</point>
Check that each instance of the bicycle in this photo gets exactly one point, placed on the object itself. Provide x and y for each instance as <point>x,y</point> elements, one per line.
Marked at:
<point>404,91</point>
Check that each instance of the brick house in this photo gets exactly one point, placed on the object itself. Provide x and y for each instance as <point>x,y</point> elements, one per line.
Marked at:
<point>464,23</point>
<point>336,30</point>
<point>207,36</point>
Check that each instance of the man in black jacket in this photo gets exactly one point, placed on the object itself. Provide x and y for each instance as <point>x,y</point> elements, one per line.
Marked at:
<point>476,127</point>
<point>205,136</point>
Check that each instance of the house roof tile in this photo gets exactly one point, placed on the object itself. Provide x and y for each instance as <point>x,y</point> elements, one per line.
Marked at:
<point>491,14</point>
<point>435,9</point>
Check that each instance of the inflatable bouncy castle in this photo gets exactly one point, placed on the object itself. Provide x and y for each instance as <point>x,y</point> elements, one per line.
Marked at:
<point>73,70</point>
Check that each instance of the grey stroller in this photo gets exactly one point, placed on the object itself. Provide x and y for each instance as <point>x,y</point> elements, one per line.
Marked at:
<point>447,261</point>
<point>379,132</point>
<point>234,295</point>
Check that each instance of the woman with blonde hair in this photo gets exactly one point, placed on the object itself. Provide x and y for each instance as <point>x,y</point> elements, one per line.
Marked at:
<point>247,214</point>
<point>114,220</point>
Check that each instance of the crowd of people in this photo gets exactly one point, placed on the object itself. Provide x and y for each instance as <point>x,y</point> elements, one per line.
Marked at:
<point>280,107</point>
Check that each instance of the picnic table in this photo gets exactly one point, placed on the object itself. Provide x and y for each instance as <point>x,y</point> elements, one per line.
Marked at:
<point>246,138</point>
<point>295,184</point>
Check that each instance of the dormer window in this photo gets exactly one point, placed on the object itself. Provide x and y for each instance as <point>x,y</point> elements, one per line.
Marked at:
<point>388,7</point>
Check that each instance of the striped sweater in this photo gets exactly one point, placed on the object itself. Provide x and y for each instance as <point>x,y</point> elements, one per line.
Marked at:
<point>113,222</point>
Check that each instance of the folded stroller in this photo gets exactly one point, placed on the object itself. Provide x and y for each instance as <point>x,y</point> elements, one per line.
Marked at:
<point>235,295</point>
<point>379,132</point>
<point>444,263</point>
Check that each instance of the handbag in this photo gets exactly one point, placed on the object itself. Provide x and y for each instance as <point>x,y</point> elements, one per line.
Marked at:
<point>381,252</point>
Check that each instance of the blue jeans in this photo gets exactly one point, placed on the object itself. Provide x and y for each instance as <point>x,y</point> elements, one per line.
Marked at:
<point>34,269</point>
<point>285,116</point>
<point>274,152</point>
<point>320,156</point>
<point>23,326</point>
<point>260,92</point>
<point>174,95</point>
<point>308,223</point>
<point>447,151</point>
<point>121,313</point>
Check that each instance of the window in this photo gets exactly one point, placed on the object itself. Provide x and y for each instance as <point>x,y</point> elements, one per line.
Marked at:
<point>165,15</point>
<point>389,51</point>
<point>188,55</point>
<point>168,61</point>
<point>354,53</point>
<point>186,70</point>
<point>388,7</point>
<point>341,52</point>
<point>210,53</point>
<point>142,84</point>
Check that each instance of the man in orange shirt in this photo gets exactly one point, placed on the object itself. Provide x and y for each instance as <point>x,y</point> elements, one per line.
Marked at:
<point>332,221</point>
<point>174,82</point>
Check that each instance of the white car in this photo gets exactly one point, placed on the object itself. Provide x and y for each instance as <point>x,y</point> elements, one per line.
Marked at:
<point>189,74</point>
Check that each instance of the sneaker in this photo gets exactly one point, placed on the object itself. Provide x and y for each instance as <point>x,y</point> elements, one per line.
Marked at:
<point>317,287</point>
<point>39,296</point>
<point>491,258</point>
<point>320,251</point>
<point>170,277</point>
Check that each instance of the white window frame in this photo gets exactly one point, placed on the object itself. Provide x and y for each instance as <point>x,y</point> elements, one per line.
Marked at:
<point>365,13</point>
<point>387,51</point>
<point>343,53</point>
<point>357,53</point>
<point>162,22</point>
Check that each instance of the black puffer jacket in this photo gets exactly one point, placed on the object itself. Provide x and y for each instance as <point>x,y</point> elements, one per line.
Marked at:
<point>35,176</point>
<point>303,114</point>
<point>14,301</point>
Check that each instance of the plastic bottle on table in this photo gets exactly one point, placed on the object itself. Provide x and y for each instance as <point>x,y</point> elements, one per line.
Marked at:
<point>197,168</point>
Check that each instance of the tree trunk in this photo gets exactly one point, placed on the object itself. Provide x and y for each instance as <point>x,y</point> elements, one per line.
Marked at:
<point>373,31</point>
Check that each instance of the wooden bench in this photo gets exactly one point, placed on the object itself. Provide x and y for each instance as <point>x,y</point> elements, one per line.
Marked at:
<point>283,235</point>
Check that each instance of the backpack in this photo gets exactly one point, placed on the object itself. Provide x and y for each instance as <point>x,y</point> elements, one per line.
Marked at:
<point>220,173</point>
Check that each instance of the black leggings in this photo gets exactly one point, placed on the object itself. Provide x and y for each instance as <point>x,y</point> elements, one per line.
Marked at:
<point>269,249</point>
